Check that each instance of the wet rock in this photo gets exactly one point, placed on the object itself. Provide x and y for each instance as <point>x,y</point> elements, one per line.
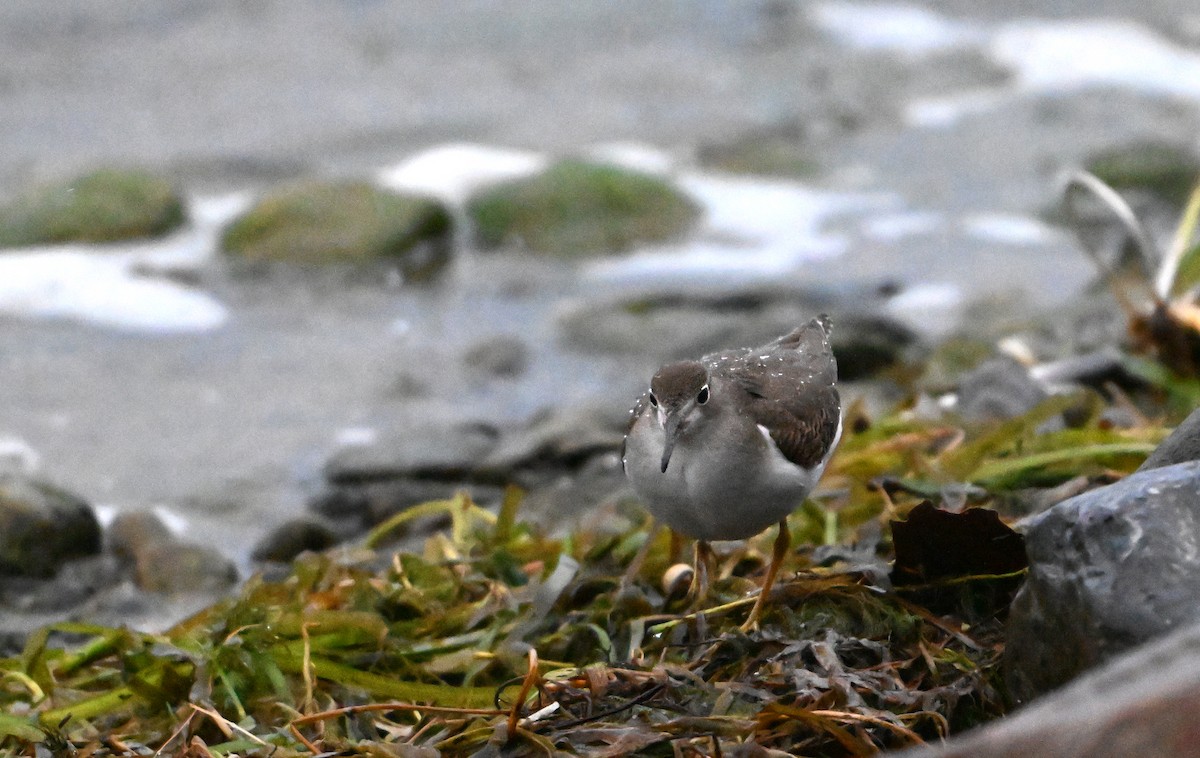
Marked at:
<point>103,206</point>
<point>561,501</point>
<point>1182,445</point>
<point>998,389</point>
<point>318,222</point>
<point>1141,704</point>
<point>685,325</point>
<point>144,546</point>
<point>76,582</point>
<point>867,344</point>
<point>1108,570</point>
<point>668,333</point>
<point>130,533</point>
<point>172,567</point>
<point>363,505</point>
<point>1163,169</point>
<point>291,538</point>
<point>561,438</point>
<point>577,208</point>
<point>1098,370</point>
<point>429,449</point>
<point>554,457</point>
<point>41,527</point>
<point>503,356</point>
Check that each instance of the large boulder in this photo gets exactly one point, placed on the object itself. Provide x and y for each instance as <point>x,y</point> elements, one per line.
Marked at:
<point>1108,570</point>
<point>577,208</point>
<point>42,527</point>
<point>102,206</point>
<point>1182,445</point>
<point>327,222</point>
<point>1141,704</point>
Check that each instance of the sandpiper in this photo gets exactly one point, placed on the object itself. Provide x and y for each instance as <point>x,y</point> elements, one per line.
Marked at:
<point>722,447</point>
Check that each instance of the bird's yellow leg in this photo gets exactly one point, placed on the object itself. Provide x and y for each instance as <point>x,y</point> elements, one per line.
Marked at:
<point>782,543</point>
<point>702,558</point>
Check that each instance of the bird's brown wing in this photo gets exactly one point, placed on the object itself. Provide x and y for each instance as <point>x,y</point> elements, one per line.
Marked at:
<point>789,387</point>
<point>803,430</point>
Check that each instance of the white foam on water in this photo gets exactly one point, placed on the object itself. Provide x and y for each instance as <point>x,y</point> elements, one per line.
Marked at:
<point>107,285</point>
<point>1061,56</point>
<point>1054,57</point>
<point>1010,229</point>
<point>900,28</point>
<point>941,112</point>
<point>74,282</point>
<point>752,227</point>
<point>893,226</point>
<point>355,436</point>
<point>452,172</point>
<point>176,523</point>
<point>931,308</point>
<point>105,513</point>
<point>636,156</point>
<point>17,456</point>
<point>1045,56</point>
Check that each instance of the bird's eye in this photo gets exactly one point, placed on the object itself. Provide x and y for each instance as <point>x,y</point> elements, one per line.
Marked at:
<point>653,400</point>
<point>702,398</point>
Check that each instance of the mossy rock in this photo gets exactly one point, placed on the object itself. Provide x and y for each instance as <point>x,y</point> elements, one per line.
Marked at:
<point>103,206</point>
<point>1167,170</point>
<point>578,208</point>
<point>328,222</point>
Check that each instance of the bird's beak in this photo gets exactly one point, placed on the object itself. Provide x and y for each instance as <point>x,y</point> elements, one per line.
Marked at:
<point>670,431</point>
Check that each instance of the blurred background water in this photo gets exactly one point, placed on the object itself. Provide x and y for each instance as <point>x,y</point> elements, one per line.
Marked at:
<point>934,137</point>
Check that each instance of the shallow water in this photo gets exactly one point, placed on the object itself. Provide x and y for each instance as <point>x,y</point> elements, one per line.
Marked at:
<point>939,137</point>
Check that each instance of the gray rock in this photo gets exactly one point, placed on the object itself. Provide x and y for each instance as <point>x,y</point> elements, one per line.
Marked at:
<point>560,438</point>
<point>76,583</point>
<point>998,389</point>
<point>431,449</point>
<point>560,502</point>
<point>130,533</point>
<point>1183,444</point>
<point>291,538</point>
<point>503,355</point>
<point>1108,570</point>
<point>161,563</point>
<point>666,333</point>
<point>866,344</point>
<point>365,504</point>
<point>1140,704</point>
<point>171,567</point>
<point>680,325</point>
<point>41,527</point>
<point>1098,369</point>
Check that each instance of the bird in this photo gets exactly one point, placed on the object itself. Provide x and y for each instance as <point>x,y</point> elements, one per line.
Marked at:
<point>723,447</point>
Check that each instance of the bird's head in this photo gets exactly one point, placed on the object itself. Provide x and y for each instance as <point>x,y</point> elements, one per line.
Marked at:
<point>677,393</point>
